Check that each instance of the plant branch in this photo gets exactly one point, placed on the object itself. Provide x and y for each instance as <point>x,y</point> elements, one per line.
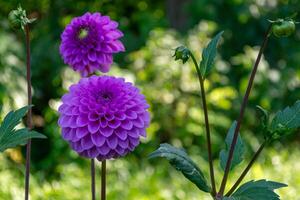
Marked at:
<point>103,180</point>
<point>93,188</point>
<point>29,114</point>
<point>246,170</point>
<point>243,107</point>
<point>203,97</point>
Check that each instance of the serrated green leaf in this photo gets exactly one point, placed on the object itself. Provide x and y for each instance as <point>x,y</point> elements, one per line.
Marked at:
<point>179,159</point>
<point>9,137</point>
<point>286,120</point>
<point>12,119</point>
<point>257,190</point>
<point>18,137</point>
<point>208,55</point>
<point>239,149</point>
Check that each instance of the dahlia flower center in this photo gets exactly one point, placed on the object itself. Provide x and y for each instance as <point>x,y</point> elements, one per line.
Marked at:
<point>83,33</point>
<point>105,96</point>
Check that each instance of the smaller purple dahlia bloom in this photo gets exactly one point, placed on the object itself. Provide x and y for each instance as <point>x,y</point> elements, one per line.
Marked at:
<point>103,117</point>
<point>89,42</point>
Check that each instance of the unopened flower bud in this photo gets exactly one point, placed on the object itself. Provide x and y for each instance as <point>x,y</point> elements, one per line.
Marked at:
<point>182,53</point>
<point>284,28</point>
<point>14,18</point>
<point>18,19</point>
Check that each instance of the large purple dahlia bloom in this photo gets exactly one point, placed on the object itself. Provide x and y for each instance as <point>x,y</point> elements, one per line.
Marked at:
<point>89,42</point>
<point>103,117</point>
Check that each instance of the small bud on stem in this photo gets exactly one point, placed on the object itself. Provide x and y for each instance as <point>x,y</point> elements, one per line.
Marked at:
<point>182,53</point>
<point>18,19</point>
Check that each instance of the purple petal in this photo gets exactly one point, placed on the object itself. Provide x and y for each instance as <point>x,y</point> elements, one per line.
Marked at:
<point>139,123</point>
<point>114,124</point>
<point>131,114</point>
<point>122,134</point>
<point>98,139</point>
<point>86,142</point>
<point>81,132</point>
<point>124,144</point>
<point>112,142</point>
<point>104,149</point>
<point>82,120</point>
<point>103,122</point>
<point>77,146</point>
<point>127,125</point>
<point>93,126</point>
<point>120,151</point>
<point>93,152</point>
<point>106,131</point>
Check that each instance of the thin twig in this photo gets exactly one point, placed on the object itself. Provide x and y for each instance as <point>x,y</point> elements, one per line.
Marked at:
<point>29,114</point>
<point>205,112</point>
<point>246,170</point>
<point>243,107</point>
<point>93,180</point>
<point>103,180</point>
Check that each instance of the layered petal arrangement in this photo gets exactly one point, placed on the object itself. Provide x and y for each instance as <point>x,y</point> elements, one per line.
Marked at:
<point>103,117</point>
<point>89,42</point>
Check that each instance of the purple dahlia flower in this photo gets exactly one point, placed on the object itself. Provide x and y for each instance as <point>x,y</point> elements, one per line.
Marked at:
<point>89,42</point>
<point>103,117</point>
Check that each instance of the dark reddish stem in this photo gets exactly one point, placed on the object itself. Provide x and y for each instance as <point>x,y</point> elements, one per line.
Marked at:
<point>93,180</point>
<point>103,180</point>
<point>246,170</point>
<point>241,115</point>
<point>29,114</point>
<point>205,112</point>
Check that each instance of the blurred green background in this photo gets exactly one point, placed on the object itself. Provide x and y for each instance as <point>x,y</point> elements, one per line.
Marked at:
<point>153,28</point>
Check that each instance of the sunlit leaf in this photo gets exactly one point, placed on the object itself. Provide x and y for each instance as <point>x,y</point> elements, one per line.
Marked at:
<point>179,159</point>
<point>285,121</point>
<point>18,137</point>
<point>9,137</point>
<point>257,190</point>
<point>238,150</point>
<point>208,55</point>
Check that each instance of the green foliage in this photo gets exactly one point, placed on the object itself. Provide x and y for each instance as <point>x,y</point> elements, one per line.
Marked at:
<point>257,190</point>
<point>264,117</point>
<point>9,136</point>
<point>239,149</point>
<point>208,55</point>
<point>285,121</point>
<point>150,31</point>
<point>179,159</point>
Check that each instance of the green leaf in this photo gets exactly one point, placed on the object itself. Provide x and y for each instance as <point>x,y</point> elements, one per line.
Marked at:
<point>18,137</point>
<point>238,150</point>
<point>286,121</point>
<point>264,119</point>
<point>9,137</point>
<point>179,159</point>
<point>208,55</point>
<point>257,190</point>
<point>12,119</point>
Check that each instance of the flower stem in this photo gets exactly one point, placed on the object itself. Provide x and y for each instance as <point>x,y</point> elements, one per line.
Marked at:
<point>103,180</point>
<point>246,170</point>
<point>29,114</point>
<point>204,105</point>
<point>93,188</point>
<point>243,107</point>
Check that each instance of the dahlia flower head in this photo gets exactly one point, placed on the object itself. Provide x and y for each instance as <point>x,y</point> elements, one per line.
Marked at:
<point>89,42</point>
<point>103,117</point>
